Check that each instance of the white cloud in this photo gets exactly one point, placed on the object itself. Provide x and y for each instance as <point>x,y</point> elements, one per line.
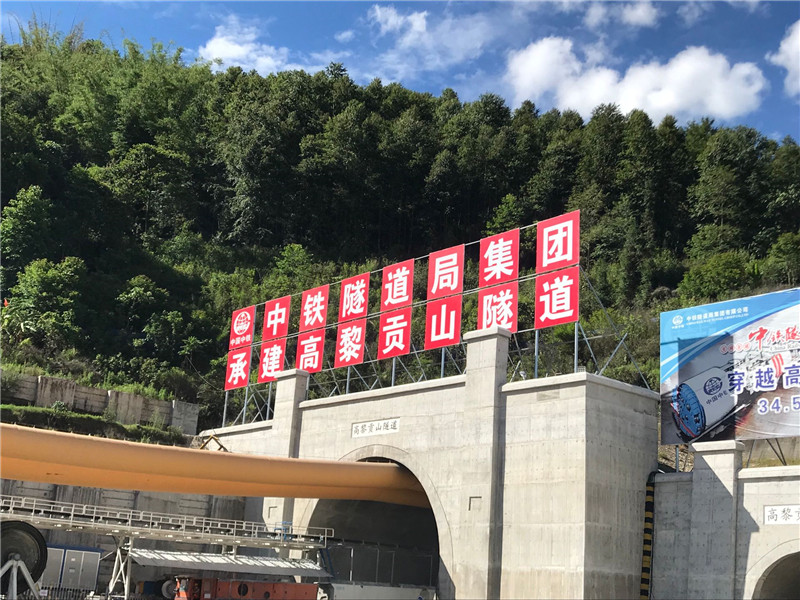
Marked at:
<point>596,15</point>
<point>692,12</point>
<point>639,14</point>
<point>236,43</point>
<point>420,45</point>
<point>541,67</point>
<point>788,57</point>
<point>694,83</point>
<point>345,36</point>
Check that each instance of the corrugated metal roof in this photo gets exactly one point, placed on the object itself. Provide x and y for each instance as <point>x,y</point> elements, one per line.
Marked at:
<point>254,565</point>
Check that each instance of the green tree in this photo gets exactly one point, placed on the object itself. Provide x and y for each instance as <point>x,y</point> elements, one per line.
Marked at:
<point>24,233</point>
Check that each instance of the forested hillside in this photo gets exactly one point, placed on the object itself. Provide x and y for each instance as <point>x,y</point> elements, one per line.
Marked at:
<point>144,198</point>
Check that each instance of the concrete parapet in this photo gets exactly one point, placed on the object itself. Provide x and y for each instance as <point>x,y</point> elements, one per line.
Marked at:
<point>184,416</point>
<point>126,407</point>
<point>54,389</point>
<point>91,400</point>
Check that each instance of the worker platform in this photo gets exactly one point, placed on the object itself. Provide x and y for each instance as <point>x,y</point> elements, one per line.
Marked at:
<point>133,524</point>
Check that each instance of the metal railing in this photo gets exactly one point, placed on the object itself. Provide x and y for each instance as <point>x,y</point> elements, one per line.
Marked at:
<point>50,514</point>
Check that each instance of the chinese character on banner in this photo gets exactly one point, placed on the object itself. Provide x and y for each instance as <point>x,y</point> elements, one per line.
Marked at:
<point>350,343</point>
<point>271,363</point>
<point>354,299</point>
<point>498,306</point>
<point>242,326</point>
<point>276,319</point>
<point>314,308</point>
<point>557,297</point>
<point>558,242</point>
<point>309,350</point>
<point>499,261</point>
<point>394,338</point>
<point>445,272</point>
<point>443,323</point>
<point>397,288</point>
<point>237,373</point>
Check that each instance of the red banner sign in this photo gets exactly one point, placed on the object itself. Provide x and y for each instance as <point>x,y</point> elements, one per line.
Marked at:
<point>443,322</point>
<point>446,272</point>
<point>497,306</point>
<point>272,359</point>
<point>350,343</point>
<point>397,288</point>
<point>557,242</point>
<point>276,319</point>
<point>499,261</point>
<point>314,308</point>
<point>557,297</point>
<point>309,350</point>
<point>237,373</point>
<point>394,338</point>
<point>242,326</point>
<point>354,298</point>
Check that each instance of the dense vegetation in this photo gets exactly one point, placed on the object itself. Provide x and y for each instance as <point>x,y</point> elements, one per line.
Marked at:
<point>144,199</point>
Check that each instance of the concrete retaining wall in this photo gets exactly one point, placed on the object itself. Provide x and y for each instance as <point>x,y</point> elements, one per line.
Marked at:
<point>127,408</point>
<point>710,535</point>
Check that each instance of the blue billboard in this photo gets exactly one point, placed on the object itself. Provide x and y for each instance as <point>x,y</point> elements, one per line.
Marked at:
<point>731,370</point>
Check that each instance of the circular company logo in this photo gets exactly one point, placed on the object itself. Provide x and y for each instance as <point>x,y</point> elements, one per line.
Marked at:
<point>712,386</point>
<point>242,323</point>
<point>677,320</point>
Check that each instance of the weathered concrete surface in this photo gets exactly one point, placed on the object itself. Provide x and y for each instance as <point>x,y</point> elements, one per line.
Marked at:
<point>530,483</point>
<point>53,389</point>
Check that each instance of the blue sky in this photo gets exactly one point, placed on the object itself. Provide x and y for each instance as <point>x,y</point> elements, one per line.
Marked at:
<point>737,62</point>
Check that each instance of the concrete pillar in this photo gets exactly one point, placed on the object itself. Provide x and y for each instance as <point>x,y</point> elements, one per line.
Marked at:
<point>290,391</point>
<point>712,553</point>
<point>478,535</point>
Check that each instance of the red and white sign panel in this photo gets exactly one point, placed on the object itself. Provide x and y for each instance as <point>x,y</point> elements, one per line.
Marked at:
<point>499,261</point>
<point>309,350</point>
<point>498,306</point>
<point>314,308</point>
<point>350,343</point>
<point>237,373</point>
<point>394,338</point>
<point>354,297</point>
<point>558,242</point>
<point>443,322</point>
<point>397,288</point>
<point>276,318</point>
<point>557,297</point>
<point>272,357</point>
<point>446,272</point>
<point>243,323</point>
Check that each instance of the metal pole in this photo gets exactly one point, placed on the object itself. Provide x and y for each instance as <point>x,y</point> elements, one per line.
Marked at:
<point>394,366</point>
<point>225,409</point>
<point>347,384</point>
<point>536,354</point>
<point>677,460</point>
<point>351,563</point>
<point>575,363</point>
<point>442,370</point>
<point>128,570</point>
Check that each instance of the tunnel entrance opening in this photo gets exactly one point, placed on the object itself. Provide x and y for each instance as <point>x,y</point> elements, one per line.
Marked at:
<point>377,542</point>
<point>782,580</point>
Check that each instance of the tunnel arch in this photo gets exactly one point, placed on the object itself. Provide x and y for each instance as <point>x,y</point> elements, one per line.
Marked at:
<point>776,575</point>
<point>408,461</point>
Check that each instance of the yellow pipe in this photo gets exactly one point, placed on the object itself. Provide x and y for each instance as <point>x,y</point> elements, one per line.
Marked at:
<point>70,459</point>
